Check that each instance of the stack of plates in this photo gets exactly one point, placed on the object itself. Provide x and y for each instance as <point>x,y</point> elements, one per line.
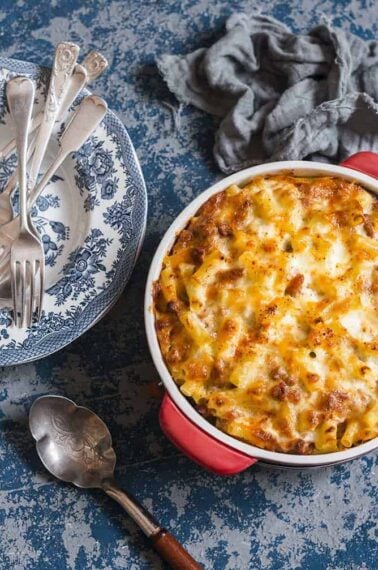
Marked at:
<point>91,219</point>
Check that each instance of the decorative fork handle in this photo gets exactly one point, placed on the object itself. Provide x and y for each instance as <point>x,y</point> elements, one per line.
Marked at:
<point>20,96</point>
<point>64,62</point>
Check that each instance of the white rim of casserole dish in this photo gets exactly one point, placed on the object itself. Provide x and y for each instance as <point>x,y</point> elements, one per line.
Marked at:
<point>301,168</point>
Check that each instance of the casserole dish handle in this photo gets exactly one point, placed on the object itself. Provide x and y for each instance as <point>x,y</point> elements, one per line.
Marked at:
<point>366,162</point>
<point>198,445</point>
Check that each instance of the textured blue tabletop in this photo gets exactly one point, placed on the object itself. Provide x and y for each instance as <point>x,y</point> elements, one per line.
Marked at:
<point>259,519</point>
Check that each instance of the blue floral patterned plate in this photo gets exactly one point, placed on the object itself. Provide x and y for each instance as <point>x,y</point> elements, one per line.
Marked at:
<point>91,219</point>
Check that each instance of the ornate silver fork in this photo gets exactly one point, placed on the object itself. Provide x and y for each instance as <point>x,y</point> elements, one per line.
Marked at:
<point>85,120</point>
<point>26,256</point>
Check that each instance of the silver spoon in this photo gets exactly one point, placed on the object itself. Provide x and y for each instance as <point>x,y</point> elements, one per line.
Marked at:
<point>75,445</point>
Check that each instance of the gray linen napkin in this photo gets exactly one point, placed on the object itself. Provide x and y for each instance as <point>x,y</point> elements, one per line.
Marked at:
<point>281,96</point>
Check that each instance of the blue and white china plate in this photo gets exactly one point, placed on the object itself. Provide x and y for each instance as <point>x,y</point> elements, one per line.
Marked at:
<point>91,219</point>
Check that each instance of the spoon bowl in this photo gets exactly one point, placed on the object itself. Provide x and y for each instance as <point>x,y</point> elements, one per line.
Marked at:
<point>73,443</point>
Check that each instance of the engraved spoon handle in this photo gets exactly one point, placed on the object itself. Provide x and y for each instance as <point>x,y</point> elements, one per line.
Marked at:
<point>95,64</point>
<point>64,62</point>
<point>163,542</point>
<point>75,85</point>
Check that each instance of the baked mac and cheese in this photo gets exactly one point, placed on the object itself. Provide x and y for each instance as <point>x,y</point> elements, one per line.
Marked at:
<point>267,313</point>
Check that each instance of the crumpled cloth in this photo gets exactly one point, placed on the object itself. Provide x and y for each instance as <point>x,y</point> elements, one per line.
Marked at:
<point>279,95</point>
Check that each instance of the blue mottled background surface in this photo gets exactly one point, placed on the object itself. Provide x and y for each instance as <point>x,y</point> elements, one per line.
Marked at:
<point>268,519</point>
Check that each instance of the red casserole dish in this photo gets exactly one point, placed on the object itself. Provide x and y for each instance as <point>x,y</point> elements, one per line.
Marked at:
<point>181,423</point>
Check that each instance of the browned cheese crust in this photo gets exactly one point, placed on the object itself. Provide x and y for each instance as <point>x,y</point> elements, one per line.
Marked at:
<point>267,314</point>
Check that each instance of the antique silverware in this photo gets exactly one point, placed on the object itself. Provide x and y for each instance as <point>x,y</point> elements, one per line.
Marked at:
<point>93,66</point>
<point>64,62</point>
<point>84,122</point>
<point>75,445</point>
<point>26,254</point>
<point>76,83</point>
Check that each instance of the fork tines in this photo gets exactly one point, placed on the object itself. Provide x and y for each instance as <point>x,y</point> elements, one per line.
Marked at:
<point>27,290</point>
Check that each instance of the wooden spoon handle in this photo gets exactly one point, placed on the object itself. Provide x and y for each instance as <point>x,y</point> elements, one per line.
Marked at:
<point>173,552</point>
<point>163,542</point>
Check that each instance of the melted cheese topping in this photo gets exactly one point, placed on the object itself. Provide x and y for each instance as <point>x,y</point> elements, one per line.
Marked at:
<point>267,313</point>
